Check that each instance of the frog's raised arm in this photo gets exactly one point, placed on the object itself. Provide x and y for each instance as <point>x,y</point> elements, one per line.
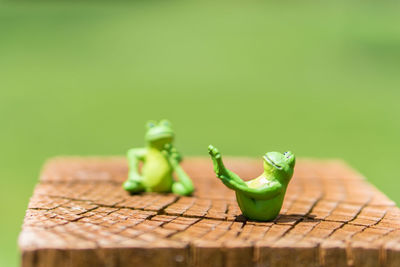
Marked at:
<point>220,169</point>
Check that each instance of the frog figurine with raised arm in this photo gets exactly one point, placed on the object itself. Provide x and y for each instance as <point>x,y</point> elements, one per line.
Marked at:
<point>261,198</point>
<point>160,161</point>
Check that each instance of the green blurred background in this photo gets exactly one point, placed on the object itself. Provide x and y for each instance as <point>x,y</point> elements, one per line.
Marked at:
<point>321,78</point>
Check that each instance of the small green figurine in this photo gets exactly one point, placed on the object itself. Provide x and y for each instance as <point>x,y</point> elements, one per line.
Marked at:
<point>160,161</point>
<point>261,198</point>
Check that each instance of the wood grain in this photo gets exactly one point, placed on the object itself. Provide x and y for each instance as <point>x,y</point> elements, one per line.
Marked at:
<point>80,216</point>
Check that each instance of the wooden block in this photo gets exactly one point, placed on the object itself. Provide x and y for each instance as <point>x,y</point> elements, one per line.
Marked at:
<point>79,215</point>
<point>288,253</point>
<point>333,253</point>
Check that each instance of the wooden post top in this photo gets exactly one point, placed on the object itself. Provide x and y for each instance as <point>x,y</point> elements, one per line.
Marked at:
<point>79,215</point>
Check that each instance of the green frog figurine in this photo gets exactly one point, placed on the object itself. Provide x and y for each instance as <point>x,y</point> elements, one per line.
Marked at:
<point>160,161</point>
<point>259,199</point>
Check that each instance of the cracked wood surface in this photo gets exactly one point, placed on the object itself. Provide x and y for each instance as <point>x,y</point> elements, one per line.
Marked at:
<point>79,215</point>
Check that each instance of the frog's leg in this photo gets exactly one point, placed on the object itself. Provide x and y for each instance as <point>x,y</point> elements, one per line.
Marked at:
<point>220,169</point>
<point>184,185</point>
<point>134,182</point>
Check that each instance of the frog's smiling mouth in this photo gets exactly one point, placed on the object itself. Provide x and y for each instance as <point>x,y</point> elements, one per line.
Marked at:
<point>270,161</point>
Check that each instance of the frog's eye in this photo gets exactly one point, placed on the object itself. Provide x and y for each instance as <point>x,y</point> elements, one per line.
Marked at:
<point>150,124</point>
<point>165,123</point>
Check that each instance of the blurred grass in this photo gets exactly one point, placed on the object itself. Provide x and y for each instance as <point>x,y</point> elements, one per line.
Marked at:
<point>319,78</point>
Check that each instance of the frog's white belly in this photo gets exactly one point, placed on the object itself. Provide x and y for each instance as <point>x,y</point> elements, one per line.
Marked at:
<point>258,182</point>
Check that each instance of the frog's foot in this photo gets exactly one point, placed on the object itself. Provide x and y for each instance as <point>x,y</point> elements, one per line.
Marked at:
<point>214,152</point>
<point>179,189</point>
<point>133,186</point>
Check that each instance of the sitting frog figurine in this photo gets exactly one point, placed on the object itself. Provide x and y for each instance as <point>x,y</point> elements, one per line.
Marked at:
<point>160,161</point>
<point>261,198</point>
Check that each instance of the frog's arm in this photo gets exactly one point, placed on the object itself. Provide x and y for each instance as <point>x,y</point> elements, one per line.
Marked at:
<point>135,155</point>
<point>220,169</point>
<point>262,193</point>
<point>134,182</point>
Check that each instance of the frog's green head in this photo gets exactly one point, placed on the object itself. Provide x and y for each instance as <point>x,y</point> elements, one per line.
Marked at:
<point>160,133</point>
<point>280,165</point>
